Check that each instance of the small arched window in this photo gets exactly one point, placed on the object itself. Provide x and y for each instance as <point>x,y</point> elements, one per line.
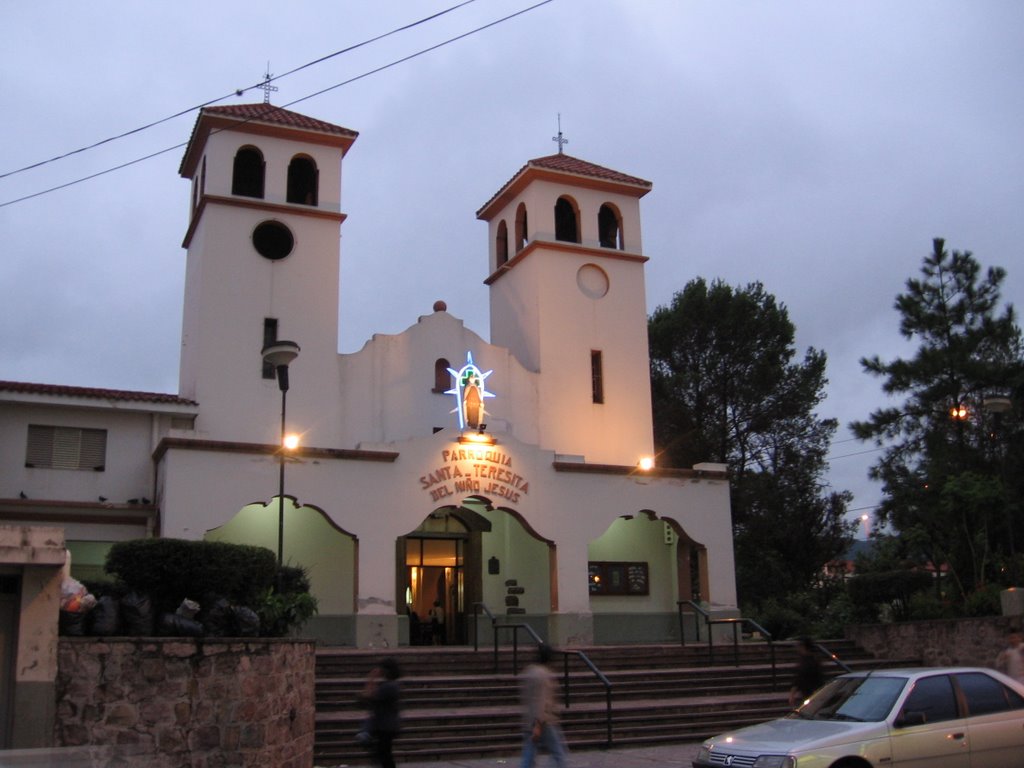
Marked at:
<point>521,227</point>
<point>247,174</point>
<point>567,227</point>
<point>442,376</point>
<point>609,227</point>
<point>501,243</point>
<point>302,181</point>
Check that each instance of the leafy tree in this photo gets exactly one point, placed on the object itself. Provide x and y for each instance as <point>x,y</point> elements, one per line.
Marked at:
<point>887,580</point>
<point>948,465</point>
<point>726,389</point>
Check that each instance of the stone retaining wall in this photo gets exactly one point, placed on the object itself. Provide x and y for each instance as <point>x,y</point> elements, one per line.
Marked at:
<point>170,702</point>
<point>939,643</point>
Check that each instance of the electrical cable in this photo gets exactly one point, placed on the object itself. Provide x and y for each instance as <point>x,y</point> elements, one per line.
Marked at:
<point>394,63</point>
<point>237,92</point>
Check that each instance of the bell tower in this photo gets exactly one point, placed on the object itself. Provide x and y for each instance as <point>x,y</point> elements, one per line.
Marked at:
<point>567,298</point>
<point>262,265</point>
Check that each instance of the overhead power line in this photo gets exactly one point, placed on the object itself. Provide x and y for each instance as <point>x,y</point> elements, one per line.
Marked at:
<point>374,71</point>
<point>237,92</point>
<point>296,101</point>
<point>855,453</point>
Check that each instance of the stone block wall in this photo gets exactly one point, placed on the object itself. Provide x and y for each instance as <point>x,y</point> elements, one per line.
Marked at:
<point>175,702</point>
<point>938,643</point>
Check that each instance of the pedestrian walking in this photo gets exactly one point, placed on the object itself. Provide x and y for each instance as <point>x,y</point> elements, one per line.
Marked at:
<point>540,713</point>
<point>808,676</point>
<point>1010,660</point>
<point>381,697</point>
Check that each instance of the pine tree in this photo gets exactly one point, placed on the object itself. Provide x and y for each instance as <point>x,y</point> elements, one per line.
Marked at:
<point>945,464</point>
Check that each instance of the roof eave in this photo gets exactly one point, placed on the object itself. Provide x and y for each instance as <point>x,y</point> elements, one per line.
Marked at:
<point>208,123</point>
<point>528,174</point>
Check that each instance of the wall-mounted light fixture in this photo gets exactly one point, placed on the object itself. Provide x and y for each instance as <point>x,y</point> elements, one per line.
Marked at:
<point>480,437</point>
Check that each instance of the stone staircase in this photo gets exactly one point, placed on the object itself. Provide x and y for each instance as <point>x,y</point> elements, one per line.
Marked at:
<point>454,703</point>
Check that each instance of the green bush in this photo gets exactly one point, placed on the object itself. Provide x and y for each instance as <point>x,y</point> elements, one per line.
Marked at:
<point>782,617</point>
<point>170,570</point>
<point>288,606</point>
<point>892,589</point>
<point>984,601</point>
<point>926,605</point>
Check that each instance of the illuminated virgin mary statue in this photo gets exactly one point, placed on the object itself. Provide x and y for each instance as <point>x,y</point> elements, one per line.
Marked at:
<point>470,391</point>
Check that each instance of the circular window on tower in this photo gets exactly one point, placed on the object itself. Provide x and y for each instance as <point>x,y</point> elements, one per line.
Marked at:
<point>592,281</point>
<point>273,240</point>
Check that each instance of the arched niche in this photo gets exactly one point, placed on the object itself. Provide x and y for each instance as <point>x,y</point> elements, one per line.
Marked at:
<point>311,541</point>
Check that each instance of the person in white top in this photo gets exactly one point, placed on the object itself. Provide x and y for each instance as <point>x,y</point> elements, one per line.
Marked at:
<point>1011,659</point>
<point>540,713</point>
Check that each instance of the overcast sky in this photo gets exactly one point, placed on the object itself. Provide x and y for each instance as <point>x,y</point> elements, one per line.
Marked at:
<point>816,147</point>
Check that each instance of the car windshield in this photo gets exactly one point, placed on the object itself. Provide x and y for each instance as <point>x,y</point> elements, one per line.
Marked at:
<point>861,699</point>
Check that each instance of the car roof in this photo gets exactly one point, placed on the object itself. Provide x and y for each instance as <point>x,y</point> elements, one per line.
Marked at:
<point>915,672</point>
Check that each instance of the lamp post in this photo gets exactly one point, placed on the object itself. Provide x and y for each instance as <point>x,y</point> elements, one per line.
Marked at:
<point>279,354</point>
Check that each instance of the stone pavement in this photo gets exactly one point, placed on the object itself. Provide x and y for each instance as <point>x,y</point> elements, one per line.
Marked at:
<point>674,755</point>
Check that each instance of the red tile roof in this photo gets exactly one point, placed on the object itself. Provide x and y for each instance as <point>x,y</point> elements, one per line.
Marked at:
<point>573,166</point>
<point>62,390</point>
<point>260,119</point>
<point>570,164</point>
<point>268,113</point>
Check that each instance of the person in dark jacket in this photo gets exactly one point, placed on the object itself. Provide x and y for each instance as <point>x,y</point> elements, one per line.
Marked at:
<point>381,696</point>
<point>808,676</point>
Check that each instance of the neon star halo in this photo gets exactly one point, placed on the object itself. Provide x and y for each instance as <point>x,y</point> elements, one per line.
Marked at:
<point>470,391</point>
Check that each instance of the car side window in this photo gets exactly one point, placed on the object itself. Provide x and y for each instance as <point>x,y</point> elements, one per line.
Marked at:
<point>933,698</point>
<point>985,694</point>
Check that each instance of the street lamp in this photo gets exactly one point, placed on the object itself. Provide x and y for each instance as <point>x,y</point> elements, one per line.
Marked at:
<point>279,354</point>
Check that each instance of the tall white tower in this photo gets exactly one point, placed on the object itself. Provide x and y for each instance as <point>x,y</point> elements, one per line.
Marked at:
<point>567,298</point>
<point>263,265</point>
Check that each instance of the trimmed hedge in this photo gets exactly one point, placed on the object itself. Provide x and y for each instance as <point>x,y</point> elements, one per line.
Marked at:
<point>170,570</point>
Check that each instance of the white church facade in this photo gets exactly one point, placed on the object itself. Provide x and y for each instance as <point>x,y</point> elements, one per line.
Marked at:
<point>434,466</point>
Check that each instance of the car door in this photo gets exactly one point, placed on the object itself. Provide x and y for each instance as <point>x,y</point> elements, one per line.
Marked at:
<point>995,721</point>
<point>928,731</point>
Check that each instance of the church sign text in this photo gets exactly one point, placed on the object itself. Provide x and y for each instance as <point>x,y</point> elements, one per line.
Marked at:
<point>484,471</point>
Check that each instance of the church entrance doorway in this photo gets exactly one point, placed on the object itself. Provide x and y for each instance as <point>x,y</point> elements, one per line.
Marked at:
<point>435,590</point>
<point>440,575</point>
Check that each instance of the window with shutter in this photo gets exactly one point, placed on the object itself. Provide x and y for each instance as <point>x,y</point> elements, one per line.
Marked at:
<point>66,448</point>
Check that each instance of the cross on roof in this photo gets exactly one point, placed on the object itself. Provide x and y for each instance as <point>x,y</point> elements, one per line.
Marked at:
<point>266,87</point>
<point>562,141</point>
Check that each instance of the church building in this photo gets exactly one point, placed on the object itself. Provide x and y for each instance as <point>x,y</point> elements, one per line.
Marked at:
<point>435,469</point>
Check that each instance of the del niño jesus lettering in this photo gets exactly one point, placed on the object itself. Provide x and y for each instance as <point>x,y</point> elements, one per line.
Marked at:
<point>475,470</point>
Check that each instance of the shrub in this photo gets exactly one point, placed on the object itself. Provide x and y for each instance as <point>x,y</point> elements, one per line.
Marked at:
<point>926,605</point>
<point>781,617</point>
<point>170,570</point>
<point>890,588</point>
<point>289,605</point>
<point>984,601</point>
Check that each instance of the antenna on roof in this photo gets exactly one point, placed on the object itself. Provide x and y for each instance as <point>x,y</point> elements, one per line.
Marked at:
<point>266,87</point>
<point>559,138</point>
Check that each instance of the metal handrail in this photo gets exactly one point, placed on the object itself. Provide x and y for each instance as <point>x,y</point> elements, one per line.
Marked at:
<point>515,627</point>
<point>604,681</point>
<point>736,623</point>
<point>832,657</point>
<point>476,613</point>
<point>495,626</point>
<point>515,642</point>
<point>698,611</point>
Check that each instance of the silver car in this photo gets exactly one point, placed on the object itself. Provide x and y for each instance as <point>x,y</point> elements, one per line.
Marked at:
<point>940,717</point>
